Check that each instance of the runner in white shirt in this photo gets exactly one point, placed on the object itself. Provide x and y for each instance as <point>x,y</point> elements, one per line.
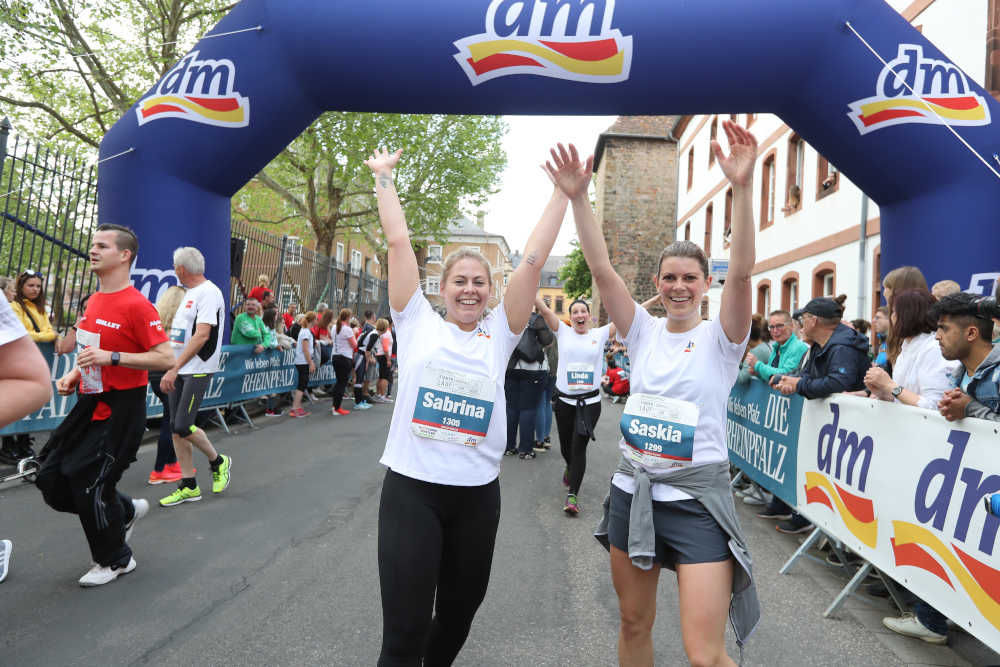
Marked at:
<point>578,406</point>
<point>24,384</point>
<point>440,503</point>
<point>196,335</point>
<point>682,372</point>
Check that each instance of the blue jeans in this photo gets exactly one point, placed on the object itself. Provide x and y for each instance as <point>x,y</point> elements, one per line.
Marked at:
<point>522,390</point>
<point>543,418</point>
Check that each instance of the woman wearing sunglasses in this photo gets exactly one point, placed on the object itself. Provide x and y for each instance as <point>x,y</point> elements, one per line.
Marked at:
<point>29,306</point>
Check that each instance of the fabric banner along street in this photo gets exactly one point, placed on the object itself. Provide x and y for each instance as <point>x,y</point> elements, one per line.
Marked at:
<point>763,435</point>
<point>243,376</point>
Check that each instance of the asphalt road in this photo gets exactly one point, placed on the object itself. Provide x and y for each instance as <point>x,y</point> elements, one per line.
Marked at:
<point>280,570</point>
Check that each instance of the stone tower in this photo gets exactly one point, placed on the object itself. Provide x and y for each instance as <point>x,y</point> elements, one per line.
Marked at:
<point>635,164</point>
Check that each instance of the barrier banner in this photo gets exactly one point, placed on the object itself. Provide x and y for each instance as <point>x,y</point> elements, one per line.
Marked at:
<point>762,433</point>
<point>243,375</point>
<point>904,488</point>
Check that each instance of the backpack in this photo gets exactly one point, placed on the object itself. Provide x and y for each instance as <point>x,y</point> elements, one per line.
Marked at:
<point>531,346</point>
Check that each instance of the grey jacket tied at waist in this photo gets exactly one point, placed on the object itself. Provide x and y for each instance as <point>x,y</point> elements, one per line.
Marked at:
<point>709,485</point>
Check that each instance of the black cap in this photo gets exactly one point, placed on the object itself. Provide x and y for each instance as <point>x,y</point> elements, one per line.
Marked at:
<point>821,307</point>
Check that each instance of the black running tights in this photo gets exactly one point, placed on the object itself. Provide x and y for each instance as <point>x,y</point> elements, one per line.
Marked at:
<point>435,550</point>
<point>573,445</point>
<point>342,368</point>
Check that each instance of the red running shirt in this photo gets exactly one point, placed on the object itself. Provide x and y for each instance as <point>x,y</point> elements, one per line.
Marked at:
<point>123,321</point>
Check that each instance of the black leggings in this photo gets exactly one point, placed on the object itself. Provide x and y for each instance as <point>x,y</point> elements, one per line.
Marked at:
<point>572,444</point>
<point>432,539</point>
<point>342,367</point>
<point>185,400</point>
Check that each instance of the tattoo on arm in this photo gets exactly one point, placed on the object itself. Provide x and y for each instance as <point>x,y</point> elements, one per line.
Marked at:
<point>384,180</point>
<point>531,259</point>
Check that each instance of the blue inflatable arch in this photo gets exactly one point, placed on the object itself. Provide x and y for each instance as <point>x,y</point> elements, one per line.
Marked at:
<point>232,103</point>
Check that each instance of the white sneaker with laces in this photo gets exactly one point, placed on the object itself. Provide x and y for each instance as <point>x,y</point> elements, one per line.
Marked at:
<point>141,506</point>
<point>99,575</point>
<point>910,626</point>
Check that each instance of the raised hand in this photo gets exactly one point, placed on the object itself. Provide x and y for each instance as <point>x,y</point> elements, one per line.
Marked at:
<point>383,161</point>
<point>569,174</point>
<point>738,166</point>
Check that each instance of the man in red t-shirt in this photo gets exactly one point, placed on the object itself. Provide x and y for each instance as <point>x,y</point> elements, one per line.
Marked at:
<point>119,339</point>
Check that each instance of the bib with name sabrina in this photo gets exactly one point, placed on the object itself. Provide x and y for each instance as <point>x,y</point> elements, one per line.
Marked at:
<point>453,406</point>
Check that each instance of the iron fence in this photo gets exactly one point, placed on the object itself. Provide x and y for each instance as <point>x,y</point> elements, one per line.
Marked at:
<point>48,210</point>
<point>300,275</point>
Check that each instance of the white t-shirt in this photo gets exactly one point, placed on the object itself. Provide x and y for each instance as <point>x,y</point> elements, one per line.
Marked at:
<point>10,327</point>
<point>201,305</point>
<point>698,366</point>
<point>300,357</point>
<point>581,359</point>
<point>424,339</point>
<point>384,343</point>
<point>921,368</point>
<point>342,341</point>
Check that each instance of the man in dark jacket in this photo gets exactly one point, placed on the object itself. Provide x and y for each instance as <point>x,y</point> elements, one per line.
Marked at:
<point>838,358</point>
<point>837,362</point>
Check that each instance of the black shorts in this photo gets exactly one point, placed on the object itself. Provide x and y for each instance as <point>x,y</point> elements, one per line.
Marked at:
<point>185,401</point>
<point>685,531</point>
<point>383,368</point>
<point>303,376</point>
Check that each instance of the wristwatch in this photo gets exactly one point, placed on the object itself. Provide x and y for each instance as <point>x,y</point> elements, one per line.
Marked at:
<point>897,390</point>
<point>116,358</point>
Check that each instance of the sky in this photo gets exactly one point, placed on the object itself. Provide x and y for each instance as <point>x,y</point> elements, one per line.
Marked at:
<point>525,189</point>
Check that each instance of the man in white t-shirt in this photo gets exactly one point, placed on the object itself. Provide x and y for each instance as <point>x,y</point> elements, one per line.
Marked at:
<point>24,384</point>
<point>196,336</point>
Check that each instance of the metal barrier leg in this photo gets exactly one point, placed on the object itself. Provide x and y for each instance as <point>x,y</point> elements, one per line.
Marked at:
<point>220,419</point>
<point>242,414</point>
<point>851,586</point>
<point>890,586</point>
<point>813,536</point>
<point>736,479</point>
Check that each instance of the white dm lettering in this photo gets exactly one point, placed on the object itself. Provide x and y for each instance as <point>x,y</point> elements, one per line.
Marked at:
<point>445,404</point>
<point>657,431</point>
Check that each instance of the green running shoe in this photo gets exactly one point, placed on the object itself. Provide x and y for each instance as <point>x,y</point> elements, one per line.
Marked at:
<point>220,477</point>
<point>181,495</point>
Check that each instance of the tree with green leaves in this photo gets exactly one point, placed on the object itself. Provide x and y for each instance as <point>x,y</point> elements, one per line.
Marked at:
<point>451,162</point>
<point>575,273</point>
<point>69,69</point>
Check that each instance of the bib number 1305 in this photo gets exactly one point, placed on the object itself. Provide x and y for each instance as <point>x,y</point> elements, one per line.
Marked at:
<point>453,406</point>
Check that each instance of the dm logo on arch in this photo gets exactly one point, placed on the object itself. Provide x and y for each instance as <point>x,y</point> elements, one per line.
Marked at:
<point>941,93</point>
<point>201,91</point>
<point>562,39</point>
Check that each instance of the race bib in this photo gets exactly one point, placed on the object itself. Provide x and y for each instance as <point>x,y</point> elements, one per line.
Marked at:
<point>91,381</point>
<point>580,376</point>
<point>177,337</point>
<point>453,406</point>
<point>659,431</point>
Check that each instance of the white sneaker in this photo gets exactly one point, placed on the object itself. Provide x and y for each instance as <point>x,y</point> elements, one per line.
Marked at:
<point>910,626</point>
<point>362,405</point>
<point>99,575</point>
<point>5,548</point>
<point>754,500</point>
<point>141,506</point>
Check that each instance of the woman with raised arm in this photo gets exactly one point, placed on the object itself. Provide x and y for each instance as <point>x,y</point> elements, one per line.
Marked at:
<point>670,503</point>
<point>578,390</point>
<point>440,503</point>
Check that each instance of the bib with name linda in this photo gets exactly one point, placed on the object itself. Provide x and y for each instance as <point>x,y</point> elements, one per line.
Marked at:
<point>659,431</point>
<point>580,376</point>
<point>453,406</point>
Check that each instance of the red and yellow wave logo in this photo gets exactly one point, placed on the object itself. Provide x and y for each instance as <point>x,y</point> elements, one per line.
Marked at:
<point>916,546</point>
<point>857,512</point>
<point>915,89</point>
<point>570,39</point>
<point>201,91</point>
